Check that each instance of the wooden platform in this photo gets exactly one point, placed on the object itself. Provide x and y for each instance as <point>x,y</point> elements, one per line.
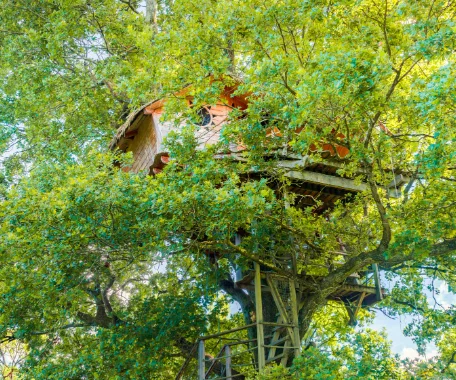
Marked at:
<point>347,293</point>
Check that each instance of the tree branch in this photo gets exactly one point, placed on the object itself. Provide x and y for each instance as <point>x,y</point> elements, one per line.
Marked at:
<point>243,252</point>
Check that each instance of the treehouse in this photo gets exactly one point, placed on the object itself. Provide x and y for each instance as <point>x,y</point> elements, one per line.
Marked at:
<point>277,337</point>
<point>145,130</point>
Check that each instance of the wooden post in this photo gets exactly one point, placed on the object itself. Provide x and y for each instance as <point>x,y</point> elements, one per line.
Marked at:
<point>237,241</point>
<point>274,339</point>
<point>228,362</point>
<point>294,316</point>
<point>378,289</point>
<point>259,318</point>
<point>285,352</point>
<point>281,307</point>
<point>201,363</point>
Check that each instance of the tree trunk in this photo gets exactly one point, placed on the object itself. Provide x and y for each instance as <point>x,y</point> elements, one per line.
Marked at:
<point>151,13</point>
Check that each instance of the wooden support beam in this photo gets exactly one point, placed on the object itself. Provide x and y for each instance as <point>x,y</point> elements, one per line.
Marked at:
<point>353,310</point>
<point>259,318</point>
<point>327,180</point>
<point>215,360</point>
<point>275,339</point>
<point>378,289</point>
<point>360,303</point>
<point>358,288</point>
<point>281,307</point>
<point>278,341</point>
<point>295,320</point>
<point>286,352</point>
<point>270,360</point>
<point>298,172</point>
<point>184,366</point>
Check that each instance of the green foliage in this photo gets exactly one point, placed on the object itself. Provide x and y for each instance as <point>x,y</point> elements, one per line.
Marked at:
<point>108,274</point>
<point>364,354</point>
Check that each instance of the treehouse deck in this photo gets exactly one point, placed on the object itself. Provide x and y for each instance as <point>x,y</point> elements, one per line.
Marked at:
<point>347,293</point>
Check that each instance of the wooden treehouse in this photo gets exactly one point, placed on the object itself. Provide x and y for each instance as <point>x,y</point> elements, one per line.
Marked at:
<point>276,338</point>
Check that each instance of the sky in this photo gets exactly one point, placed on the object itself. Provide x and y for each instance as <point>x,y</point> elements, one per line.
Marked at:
<point>401,344</point>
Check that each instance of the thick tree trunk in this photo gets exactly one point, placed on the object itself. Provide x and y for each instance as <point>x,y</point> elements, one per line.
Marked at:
<point>151,13</point>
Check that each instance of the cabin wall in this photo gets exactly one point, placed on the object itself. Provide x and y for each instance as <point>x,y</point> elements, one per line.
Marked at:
<point>143,146</point>
<point>210,134</point>
<point>205,134</point>
<point>149,134</point>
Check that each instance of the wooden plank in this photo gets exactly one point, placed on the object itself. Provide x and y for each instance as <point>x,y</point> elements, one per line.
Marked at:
<point>327,180</point>
<point>201,364</point>
<point>259,318</point>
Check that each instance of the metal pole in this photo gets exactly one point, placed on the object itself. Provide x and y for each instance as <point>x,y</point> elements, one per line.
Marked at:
<point>259,318</point>
<point>228,362</point>
<point>201,364</point>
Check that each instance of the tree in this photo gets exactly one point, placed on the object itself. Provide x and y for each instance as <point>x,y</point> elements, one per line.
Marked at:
<point>113,263</point>
<point>12,355</point>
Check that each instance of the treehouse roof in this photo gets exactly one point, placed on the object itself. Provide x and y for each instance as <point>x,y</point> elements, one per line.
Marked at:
<point>127,126</point>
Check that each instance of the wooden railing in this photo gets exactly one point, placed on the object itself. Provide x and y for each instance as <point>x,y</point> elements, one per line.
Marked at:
<point>199,345</point>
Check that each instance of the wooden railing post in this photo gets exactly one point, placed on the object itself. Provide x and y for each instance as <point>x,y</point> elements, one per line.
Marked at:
<point>201,363</point>
<point>228,362</point>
